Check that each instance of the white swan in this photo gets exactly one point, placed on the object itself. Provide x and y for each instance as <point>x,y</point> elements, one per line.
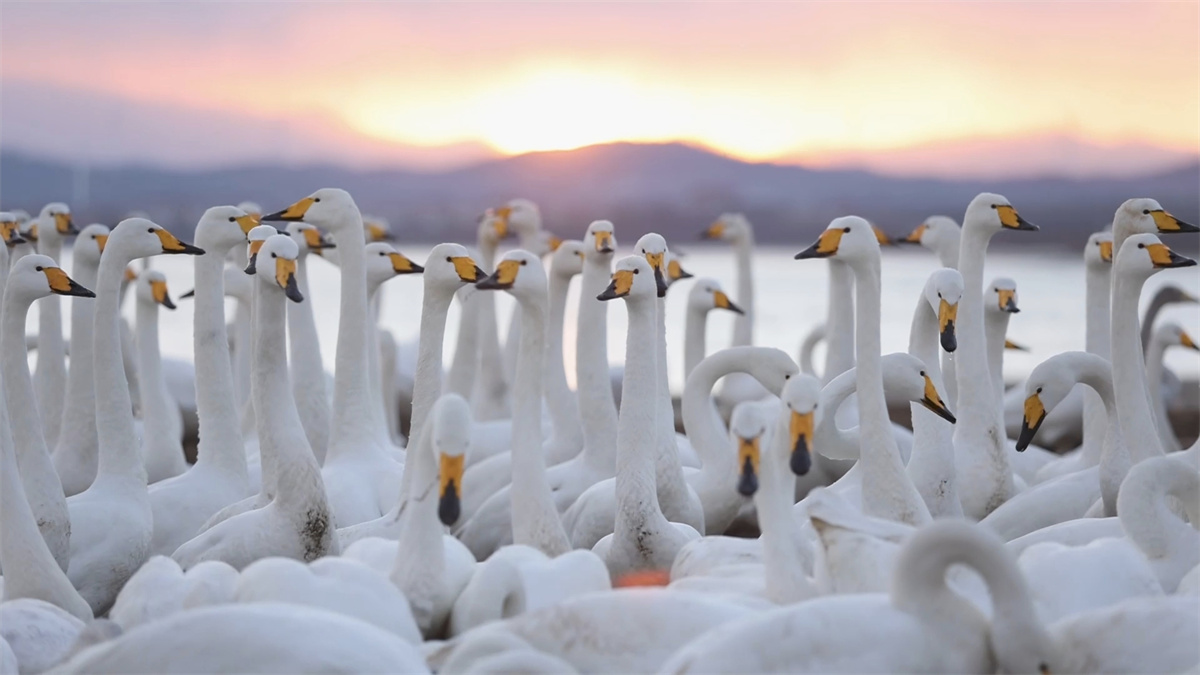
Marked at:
<point>50,376</point>
<point>361,477</point>
<point>298,522</point>
<point>160,588</point>
<point>1168,334</point>
<point>306,368</point>
<point>735,228</point>
<point>490,395</point>
<point>75,456</point>
<point>705,296</point>
<point>887,491</point>
<point>39,634</point>
<point>182,505</point>
<point>162,423</point>
<point>940,234</point>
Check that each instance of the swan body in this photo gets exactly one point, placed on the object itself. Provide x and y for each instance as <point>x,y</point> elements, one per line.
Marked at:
<point>38,633</point>
<point>160,588</point>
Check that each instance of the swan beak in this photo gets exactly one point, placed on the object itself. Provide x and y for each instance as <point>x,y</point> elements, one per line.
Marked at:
<point>10,233</point>
<point>1166,222</point>
<point>554,242</point>
<point>450,472</point>
<point>31,234</point>
<point>619,287</point>
<point>252,266</point>
<point>170,244</point>
<point>676,272</point>
<point>467,270</point>
<point>61,284</point>
<point>722,301</point>
<point>604,242</point>
<point>1009,344</point>
<point>1012,220</point>
<point>1185,340</point>
<point>403,265</point>
<point>1008,301</point>
<point>1165,258</point>
<point>64,224</point>
<point>504,278</point>
<point>1106,251</point>
<point>656,264</point>
<point>800,432</point>
<point>285,276</point>
<point>158,290</point>
<point>1035,414</point>
<point>748,455</point>
<point>189,294</point>
<point>934,402</point>
<point>101,241</point>
<point>316,242</point>
<point>377,233</point>
<point>947,315</point>
<point>714,231</point>
<point>825,246</point>
<point>293,213</point>
<point>247,222</point>
<point>881,236</point>
<point>130,274</point>
<point>915,236</point>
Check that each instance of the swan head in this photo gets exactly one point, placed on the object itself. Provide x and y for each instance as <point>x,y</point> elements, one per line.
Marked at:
<point>451,429</point>
<point>492,228</point>
<point>521,216</point>
<point>632,279</point>
<point>1099,250</point>
<point>600,240</point>
<point>384,262</point>
<point>255,239</point>
<point>880,236</point>
<point>449,267</point>
<point>56,219</point>
<point>848,238</point>
<point>90,243</point>
<point>653,247</point>
<point>801,396</point>
<point>675,271</point>
<point>943,290</point>
<point>1144,254</point>
<point>276,265</point>
<point>994,212</point>
<point>223,227</point>
<point>1001,296</point>
<point>728,227</point>
<point>331,209</point>
<point>518,272</point>
<point>567,260</point>
<point>37,276</point>
<point>151,289</point>
<point>706,294</point>
<point>933,232</point>
<point>747,428</point>
<point>134,238</point>
<point>10,229</point>
<point>1171,334</point>
<point>907,377</point>
<point>309,238</point>
<point>27,227</point>
<point>376,228</point>
<point>1146,216</point>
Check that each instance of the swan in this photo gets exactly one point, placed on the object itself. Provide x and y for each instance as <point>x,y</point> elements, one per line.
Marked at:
<point>490,395</point>
<point>39,634</point>
<point>887,491</point>
<point>162,424</point>
<point>980,445</point>
<point>361,478</point>
<point>75,456</point>
<point>808,348</point>
<point>306,368</point>
<point>705,296</point>
<point>160,588</point>
<point>523,217</point>
<point>1141,215</point>
<point>940,234</point>
<point>220,477</point>
<point>643,538</point>
<point>50,376</point>
<point>31,278</point>
<point>382,263</point>
<point>10,231</point>
<point>735,229</point>
<point>1166,335</point>
<point>256,638</point>
<point>298,522</point>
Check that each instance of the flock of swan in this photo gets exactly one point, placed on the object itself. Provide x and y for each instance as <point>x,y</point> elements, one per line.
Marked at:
<point>527,527</point>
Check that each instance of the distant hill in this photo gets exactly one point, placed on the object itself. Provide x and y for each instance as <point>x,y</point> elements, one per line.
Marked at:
<point>671,188</point>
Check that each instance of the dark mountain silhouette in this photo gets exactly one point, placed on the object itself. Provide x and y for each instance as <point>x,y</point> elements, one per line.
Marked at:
<point>671,188</point>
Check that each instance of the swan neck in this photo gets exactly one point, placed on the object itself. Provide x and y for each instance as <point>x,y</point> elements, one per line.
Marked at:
<point>427,379</point>
<point>78,429</point>
<point>17,383</point>
<point>598,410</point>
<point>354,425</point>
<point>839,324</point>
<point>995,330</point>
<point>120,452</point>
<point>1129,372</point>
<point>694,339</point>
<point>221,445</point>
<point>153,388</point>
<point>563,407</point>
<point>637,497</point>
<point>743,324</point>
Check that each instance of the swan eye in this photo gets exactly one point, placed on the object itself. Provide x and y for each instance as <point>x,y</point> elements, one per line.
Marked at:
<point>787,376</point>
<point>39,268</point>
<point>232,219</point>
<point>815,406</point>
<point>1039,390</point>
<point>939,295</point>
<point>993,206</point>
<point>150,230</point>
<point>523,262</point>
<point>273,255</point>
<point>636,270</point>
<point>1146,212</point>
<point>922,373</point>
<point>847,230</point>
<point>316,199</point>
<point>448,259</point>
<point>1141,246</point>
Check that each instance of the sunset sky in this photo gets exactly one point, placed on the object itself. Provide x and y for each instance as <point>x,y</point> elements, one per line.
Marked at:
<point>854,83</point>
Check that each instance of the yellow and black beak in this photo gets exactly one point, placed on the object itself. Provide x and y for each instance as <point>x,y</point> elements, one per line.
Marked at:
<point>1008,300</point>
<point>158,290</point>
<point>1168,223</point>
<point>500,220</point>
<point>285,276</point>
<point>61,284</point>
<point>1035,414</point>
<point>722,301</point>
<point>1009,344</point>
<point>825,246</point>
<point>11,234</point>
<point>130,274</point>
<point>914,237</point>
<point>402,265</point>
<point>377,233</point>
<point>800,432</point>
<point>1185,340</point>
<point>604,242</point>
<point>1165,258</point>
<point>170,244</point>
<point>714,231</point>
<point>450,473</point>
<point>189,294</point>
<point>293,213</point>
<point>748,456</point>
<point>32,233</point>
<point>947,315</point>
<point>660,279</point>
<point>504,277</point>
<point>554,242</point>
<point>881,236</point>
<point>315,241</point>
<point>247,222</point>
<point>255,247</point>
<point>675,271</point>
<point>934,403</point>
<point>467,270</point>
<point>619,287</point>
<point>1106,251</point>
<point>64,224</point>
<point>1010,219</point>
<point>101,241</point>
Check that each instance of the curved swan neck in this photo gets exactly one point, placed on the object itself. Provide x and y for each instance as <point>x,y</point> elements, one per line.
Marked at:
<point>592,383</point>
<point>18,387</point>
<point>706,435</point>
<point>221,445</point>
<point>427,380</point>
<point>563,407</point>
<point>1098,289</point>
<point>78,430</point>
<point>839,340</point>
<point>743,324</point>
<point>420,558</point>
<point>637,496</point>
<point>1146,515</point>
<point>120,452</point>
<point>1129,372</point>
<point>1095,373</point>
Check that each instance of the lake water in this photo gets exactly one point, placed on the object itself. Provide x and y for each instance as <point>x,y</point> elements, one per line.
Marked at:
<point>791,298</point>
